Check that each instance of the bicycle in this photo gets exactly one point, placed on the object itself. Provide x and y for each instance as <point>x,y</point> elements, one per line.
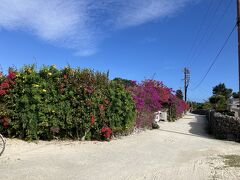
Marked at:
<point>2,144</point>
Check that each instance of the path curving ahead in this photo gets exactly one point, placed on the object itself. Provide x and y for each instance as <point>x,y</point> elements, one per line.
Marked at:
<point>179,150</point>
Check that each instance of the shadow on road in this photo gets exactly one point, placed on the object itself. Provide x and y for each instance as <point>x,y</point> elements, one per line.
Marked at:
<point>199,126</point>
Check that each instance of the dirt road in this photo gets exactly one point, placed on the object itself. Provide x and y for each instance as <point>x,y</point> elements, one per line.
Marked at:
<point>179,150</point>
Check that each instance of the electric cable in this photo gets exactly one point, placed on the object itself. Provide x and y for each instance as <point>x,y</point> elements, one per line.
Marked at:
<point>216,58</point>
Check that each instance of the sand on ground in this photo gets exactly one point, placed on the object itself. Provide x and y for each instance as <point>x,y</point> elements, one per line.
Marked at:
<point>178,150</point>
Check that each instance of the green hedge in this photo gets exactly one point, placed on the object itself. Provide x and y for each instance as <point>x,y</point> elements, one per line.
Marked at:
<point>67,103</point>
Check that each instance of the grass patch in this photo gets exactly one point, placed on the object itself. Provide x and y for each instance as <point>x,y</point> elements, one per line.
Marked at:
<point>232,160</point>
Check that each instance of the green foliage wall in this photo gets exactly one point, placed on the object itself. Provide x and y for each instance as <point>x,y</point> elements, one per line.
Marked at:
<point>69,103</point>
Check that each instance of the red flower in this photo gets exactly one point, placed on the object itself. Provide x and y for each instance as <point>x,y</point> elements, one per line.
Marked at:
<point>11,75</point>
<point>106,132</point>
<point>5,84</point>
<point>92,119</point>
<point>2,92</point>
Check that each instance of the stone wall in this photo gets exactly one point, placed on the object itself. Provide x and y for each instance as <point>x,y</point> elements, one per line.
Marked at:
<point>200,111</point>
<point>223,126</point>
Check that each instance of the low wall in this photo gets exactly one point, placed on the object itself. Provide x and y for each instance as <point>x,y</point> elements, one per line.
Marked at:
<point>223,126</point>
<point>200,111</point>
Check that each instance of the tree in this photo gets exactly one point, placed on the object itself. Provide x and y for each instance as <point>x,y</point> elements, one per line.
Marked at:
<point>125,82</point>
<point>218,102</point>
<point>235,95</point>
<point>222,90</point>
<point>179,94</point>
<point>207,105</point>
<point>214,99</point>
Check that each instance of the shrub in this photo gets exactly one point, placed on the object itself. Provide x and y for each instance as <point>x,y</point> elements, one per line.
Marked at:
<point>149,96</point>
<point>68,103</point>
<point>6,84</point>
<point>177,107</point>
<point>78,104</point>
<point>121,112</point>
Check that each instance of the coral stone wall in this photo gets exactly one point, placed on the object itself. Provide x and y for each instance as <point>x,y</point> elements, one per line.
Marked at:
<point>223,126</point>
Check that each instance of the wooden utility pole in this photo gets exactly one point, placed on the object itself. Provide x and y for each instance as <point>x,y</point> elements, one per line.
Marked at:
<point>238,25</point>
<point>186,81</point>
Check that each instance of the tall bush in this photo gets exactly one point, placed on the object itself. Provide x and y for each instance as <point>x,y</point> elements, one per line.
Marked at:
<point>149,96</point>
<point>6,84</point>
<point>49,103</point>
<point>121,113</point>
<point>70,103</point>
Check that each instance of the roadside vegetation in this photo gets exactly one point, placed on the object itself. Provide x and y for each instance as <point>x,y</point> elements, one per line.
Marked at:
<point>219,101</point>
<point>50,103</point>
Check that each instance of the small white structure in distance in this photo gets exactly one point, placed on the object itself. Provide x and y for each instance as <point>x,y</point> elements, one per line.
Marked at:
<point>160,116</point>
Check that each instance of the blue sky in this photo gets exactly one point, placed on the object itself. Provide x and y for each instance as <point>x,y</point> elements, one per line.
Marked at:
<point>132,39</point>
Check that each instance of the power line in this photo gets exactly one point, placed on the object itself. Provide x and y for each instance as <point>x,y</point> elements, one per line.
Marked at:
<point>206,30</point>
<point>199,30</point>
<point>215,59</point>
<point>203,91</point>
<point>212,32</point>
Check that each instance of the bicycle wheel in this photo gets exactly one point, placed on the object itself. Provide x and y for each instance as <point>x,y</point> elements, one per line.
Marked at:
<point>2,144</point>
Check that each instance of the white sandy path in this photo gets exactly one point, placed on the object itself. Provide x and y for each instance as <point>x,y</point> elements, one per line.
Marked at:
<point>179,150</point>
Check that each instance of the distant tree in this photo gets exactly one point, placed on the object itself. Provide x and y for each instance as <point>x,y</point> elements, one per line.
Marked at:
<point>218,102</point>
<point>222,90</point>
<point>207,105</point>
<point>235,95</point>
<point>179,94</point>
<point>200,105</point>
<point>219,99</point>
<point>214,99</point>
<point>125,82</point>
<point>222,104</point>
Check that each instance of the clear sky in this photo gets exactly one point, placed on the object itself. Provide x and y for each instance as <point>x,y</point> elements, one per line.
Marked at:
<point>133,39</point>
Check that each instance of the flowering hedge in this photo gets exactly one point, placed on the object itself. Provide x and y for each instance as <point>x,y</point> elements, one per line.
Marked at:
<point>151,96</point>
<point>79,104</point>
<point>6,84</point>
<point>67,103</point>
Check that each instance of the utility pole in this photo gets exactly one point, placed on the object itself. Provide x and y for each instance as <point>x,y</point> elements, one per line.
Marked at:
<point>186,81</point>
<point>238,25</point>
